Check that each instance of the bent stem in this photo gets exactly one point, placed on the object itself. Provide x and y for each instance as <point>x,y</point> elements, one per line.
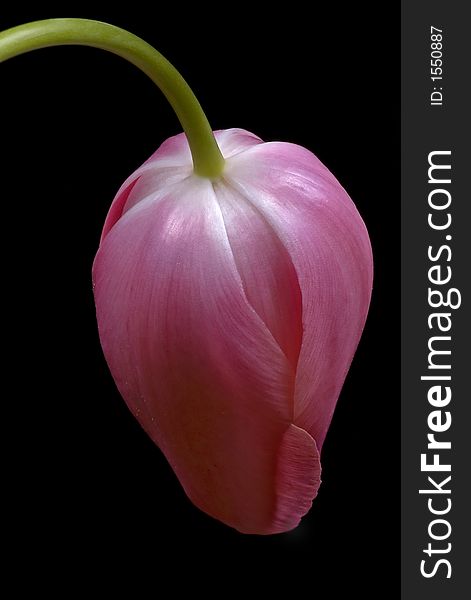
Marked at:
<point>207,158</point>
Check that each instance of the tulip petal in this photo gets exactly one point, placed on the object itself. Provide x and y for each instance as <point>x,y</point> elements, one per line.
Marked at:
<point>265,267</point>
<point>298,477</point>
<point>195,362</point>
<point>233,141</point>
<point>327,241</point>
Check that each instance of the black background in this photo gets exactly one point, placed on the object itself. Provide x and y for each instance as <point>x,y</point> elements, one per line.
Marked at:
<point>83,483</point>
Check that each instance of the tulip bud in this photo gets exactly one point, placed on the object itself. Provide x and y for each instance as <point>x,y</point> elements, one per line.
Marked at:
<point>232,284</point>
<point>229,312</point>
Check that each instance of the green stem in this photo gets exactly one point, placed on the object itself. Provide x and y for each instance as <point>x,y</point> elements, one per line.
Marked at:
<point>207,158</point>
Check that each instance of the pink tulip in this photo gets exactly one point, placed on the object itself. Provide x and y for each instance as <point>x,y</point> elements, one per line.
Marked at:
<point>229,312</point>
<point>232,284</point>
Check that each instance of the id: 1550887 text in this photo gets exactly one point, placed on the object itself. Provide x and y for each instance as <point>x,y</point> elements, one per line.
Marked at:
<point>436,65</point>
